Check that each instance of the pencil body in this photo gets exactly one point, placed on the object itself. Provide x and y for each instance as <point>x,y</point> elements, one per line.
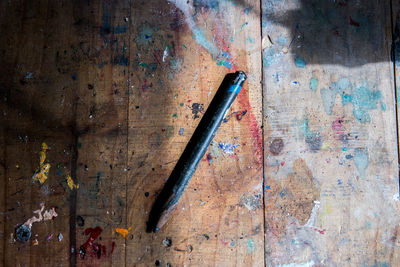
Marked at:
<point>195,150</point>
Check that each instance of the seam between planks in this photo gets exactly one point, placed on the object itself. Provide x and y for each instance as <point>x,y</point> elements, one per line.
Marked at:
<point>393,56</point>
<point>262,128</point>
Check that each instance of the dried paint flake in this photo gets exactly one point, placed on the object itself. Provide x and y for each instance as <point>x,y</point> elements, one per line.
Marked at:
<point>42,171</point>
<point>47,215</point>
<point>60,237</point>
<point>50,236</point>
<point>71,183</point>
<point>122,231</point>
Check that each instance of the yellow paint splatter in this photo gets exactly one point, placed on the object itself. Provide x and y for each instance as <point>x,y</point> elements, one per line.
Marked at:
<point>71,183</point>
<point>325,146</point>
<point>122,231</point>
<point>42,171</point>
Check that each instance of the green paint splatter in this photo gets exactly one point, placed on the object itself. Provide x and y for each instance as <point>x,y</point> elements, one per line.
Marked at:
<point>185,46</point>
<point>175,115</point>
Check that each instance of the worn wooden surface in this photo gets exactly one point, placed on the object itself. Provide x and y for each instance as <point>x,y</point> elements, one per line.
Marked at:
<point>332,185</point>
<point>303,172</point>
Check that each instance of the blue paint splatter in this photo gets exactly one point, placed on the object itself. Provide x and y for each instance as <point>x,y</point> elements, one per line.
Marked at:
<point>145,34</point>
<point>181,131</point>
<point>246,11</point>
<point>300,63</point>
<point>339,182</point>
<point>349,156</point>
<point>227,148</point>
<point>361,160</point>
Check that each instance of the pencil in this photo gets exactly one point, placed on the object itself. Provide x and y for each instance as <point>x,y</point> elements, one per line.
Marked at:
<point>195,149</point>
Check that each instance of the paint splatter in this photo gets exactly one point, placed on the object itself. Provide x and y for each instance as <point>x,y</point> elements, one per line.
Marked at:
<point>227,148</point>
<point>145,35</point>
<point>122,231</point>
<point>312,138</point>
<point>276,146</point>
<point>328,95</point>
<point>181,130</point>
<point>23,232</point>
<point>42,172</point>
<point>250,246</point>
<point>71,183</point>
<point>60,237</point>
<point>238,114</point>
<point>300,62</point>
<point>95,249</point>
<point>250,202</point>
<point>197,109</point>
<point>314,211</point>
<point>362,99</point>
<point>361,160</point>
<point>313,84</point>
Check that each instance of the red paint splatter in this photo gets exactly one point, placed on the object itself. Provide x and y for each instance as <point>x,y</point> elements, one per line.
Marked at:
<point>320,231</point>
<point>354,23</point>
<point>93,233</point>
<point>337,126</point>
<point>224,242</point>
<point>146,86</point>
<point>282,163</point>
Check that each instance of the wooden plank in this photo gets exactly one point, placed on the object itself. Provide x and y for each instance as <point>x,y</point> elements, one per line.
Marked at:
<point>177,64</point>
<point>102,30</point>
<point>32,114</point>
<point>331,163</point>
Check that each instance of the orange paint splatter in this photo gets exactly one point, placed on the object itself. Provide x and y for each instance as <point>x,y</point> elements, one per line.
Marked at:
<point>122,231</point>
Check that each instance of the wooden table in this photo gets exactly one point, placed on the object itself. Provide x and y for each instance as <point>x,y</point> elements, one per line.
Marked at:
<point>99,98</point>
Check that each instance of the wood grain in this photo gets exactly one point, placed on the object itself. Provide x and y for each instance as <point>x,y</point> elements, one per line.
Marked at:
<point>330,148</point>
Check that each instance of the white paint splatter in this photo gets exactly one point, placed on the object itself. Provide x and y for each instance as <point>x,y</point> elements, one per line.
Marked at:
<point>47,215</point>
<point>314,211</point>
<point>165,55</point>
<point>396,197</point>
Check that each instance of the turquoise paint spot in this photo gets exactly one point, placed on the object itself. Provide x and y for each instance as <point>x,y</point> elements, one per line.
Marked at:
<point>300,63</point>
<point>328,95</point>
<point>383,106</point>
<point>344,148</point>
<point>312,138</point>
<point>225,63</point>
<point>363,100</point>
<point>175,115</point>
<point>250,246</point>
<point>251,40</point>
<point>202,40</point>
<point>361,160</point>
<point>246,11</point>
<point>313,84</point>
<point>282,40</point>
<point>232,243</point>
<point>269,57</point>
<point>368,225</point>
<point>243,25</point>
